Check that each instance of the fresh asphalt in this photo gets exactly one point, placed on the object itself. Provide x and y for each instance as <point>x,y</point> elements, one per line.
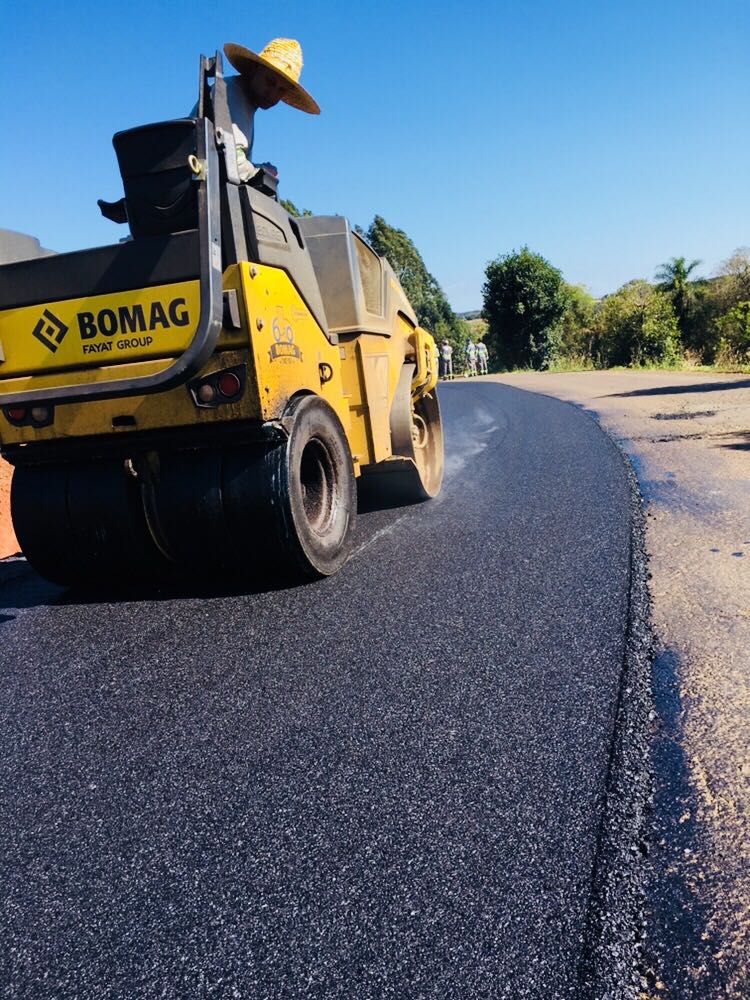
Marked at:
<point>386,784</point>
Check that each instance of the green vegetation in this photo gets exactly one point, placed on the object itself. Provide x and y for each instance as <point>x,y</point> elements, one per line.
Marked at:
<point>674,278</point>
<point>524,303</point>
<point>538,321</point>
<point>635,326</point>
<point>734,331</point>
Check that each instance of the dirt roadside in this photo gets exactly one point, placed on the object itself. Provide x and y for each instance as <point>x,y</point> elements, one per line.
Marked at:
<point>688,436</point>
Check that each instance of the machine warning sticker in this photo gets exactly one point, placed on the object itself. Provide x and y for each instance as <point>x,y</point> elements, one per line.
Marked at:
<point>283,347</point>
<point>101,329</point>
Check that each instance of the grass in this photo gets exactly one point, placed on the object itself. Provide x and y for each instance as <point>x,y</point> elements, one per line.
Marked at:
<point>584,365</point>
<point>688,363</point>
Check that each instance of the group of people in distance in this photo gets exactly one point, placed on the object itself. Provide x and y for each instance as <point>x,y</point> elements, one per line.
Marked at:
<point>476,359</point>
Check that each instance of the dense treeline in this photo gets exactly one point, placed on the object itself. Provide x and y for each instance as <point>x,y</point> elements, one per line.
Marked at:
<point>537,320</point>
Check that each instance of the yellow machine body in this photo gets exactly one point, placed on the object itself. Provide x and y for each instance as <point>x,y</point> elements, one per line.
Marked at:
<point>201,396</point>
<point>99,330</point>
<point>138,332</point>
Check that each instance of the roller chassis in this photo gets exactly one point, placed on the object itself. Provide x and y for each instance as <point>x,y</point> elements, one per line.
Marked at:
<point>217,389</point>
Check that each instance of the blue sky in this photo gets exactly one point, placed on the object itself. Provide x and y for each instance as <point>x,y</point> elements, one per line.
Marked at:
<point>608,136</point>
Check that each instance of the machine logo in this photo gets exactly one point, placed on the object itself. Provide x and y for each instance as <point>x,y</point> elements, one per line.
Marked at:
<point>49,331</point>
<point>283,335</point>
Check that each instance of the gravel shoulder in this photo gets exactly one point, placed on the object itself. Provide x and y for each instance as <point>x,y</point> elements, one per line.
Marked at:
<point>688,437</point>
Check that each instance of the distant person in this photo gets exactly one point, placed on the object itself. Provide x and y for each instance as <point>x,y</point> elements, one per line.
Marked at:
<point>446,353</point>
<point>471,358</point>
<point>438,362</point>
<point>483,358</point>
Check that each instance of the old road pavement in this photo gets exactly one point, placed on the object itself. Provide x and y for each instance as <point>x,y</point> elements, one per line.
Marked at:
<point>386,784</point>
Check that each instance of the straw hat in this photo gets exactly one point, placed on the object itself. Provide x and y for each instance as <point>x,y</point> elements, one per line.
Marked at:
<point>283,56</point>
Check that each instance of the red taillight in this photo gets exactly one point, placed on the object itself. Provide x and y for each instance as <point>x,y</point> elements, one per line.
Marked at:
<point>228,384</point>
<point>218,388</point>
<point>17,413</point>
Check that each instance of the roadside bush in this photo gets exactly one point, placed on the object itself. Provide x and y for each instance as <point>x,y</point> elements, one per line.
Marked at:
<point>636,326</point>
<point>567,362</point>
<point>734,333</point>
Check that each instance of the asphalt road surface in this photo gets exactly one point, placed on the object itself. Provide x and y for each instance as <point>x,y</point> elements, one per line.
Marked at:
<point>386,784</point>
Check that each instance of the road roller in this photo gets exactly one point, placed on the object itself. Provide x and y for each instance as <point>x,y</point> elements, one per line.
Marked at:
<point>202,397</point>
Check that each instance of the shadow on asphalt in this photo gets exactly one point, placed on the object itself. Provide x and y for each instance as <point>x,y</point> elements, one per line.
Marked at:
<point>373,496</point>
<point>33,591</point>
<point>678,390</point>
<point>29,590</point>
<point>21,587</point>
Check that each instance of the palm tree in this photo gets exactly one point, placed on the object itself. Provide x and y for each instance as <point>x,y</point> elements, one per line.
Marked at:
<point>673,278</point>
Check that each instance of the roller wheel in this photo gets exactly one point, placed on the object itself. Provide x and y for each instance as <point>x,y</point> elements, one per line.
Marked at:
<point>184,503</point>
<point>263,511</point>
<point>427,445</point>
<point>82,524</point>
<point>416,472</point>
<point>276,510</point>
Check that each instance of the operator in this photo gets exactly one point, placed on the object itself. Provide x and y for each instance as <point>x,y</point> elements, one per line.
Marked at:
<point>270,76</point>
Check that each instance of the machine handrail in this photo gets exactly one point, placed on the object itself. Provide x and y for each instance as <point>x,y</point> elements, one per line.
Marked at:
<point>208,328</point>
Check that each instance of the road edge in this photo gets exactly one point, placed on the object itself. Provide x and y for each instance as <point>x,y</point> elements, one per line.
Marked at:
<point>613,960</point>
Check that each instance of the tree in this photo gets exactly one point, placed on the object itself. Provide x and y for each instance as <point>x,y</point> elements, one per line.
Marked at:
<point>733,279</point>
<point>723,326</point>
<point>422,289</point>
<point>700,334</point>
<point>477,327</point>
<point>674,281</point>
<point>524,301</point>
<point>737,267</point>
<point>636,326</point>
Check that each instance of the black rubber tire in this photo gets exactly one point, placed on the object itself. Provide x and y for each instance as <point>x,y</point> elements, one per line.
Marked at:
<point>82,524</point>
<point>300,498</point>
<point>39,511</point>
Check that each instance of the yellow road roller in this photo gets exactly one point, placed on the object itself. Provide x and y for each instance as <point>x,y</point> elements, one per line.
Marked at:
<point>202,396</point>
